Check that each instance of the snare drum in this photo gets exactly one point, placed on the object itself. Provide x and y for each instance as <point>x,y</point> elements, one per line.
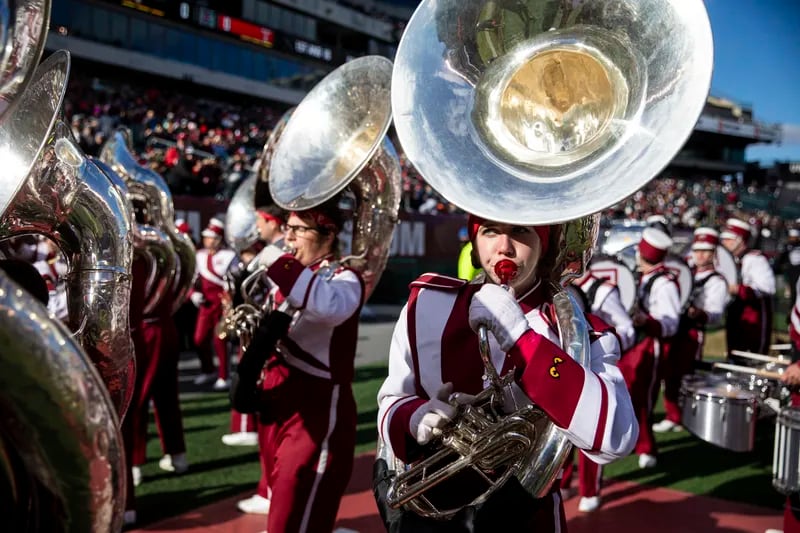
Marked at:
<point>719,412</point>
<point>786,454</point>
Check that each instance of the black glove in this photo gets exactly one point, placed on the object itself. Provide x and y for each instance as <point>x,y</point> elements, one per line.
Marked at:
<point>244,382</point>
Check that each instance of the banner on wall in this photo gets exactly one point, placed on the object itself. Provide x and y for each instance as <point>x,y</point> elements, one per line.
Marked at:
<point>416,236</point>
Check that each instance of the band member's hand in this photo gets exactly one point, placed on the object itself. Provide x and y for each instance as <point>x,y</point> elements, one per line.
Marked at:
<point>269,255</point>
<point>791,376</point>
<point>430,417</point>
<point>496,308</point>
<point>197,298</point>
<point>733,289</point>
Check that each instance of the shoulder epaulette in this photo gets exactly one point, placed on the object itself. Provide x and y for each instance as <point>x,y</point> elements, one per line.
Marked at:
<point>437,281</point>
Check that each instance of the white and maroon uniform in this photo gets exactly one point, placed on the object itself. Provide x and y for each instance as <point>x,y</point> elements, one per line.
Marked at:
<point>709,296</point>
<point>211,267</point>
<point>53,272</point>
<point>307,426</point>
<point>658,296</point>
<point>433,344</point>
<point>749,318</point>
<point>604,301</point>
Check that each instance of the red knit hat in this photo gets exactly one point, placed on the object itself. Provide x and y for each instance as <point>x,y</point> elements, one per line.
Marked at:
<point>705,239</point>
<point>474,222</point>
<point>735,228</point>
<point>215,228</point>
<point>654,245</point>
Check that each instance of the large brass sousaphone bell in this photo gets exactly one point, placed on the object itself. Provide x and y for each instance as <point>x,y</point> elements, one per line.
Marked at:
<point>539,112</point>
<point>336,139</point>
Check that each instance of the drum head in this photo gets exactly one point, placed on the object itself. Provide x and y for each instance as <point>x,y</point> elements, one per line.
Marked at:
<point>683,274</point>
<point>617,274</point>
<point>725,264</point>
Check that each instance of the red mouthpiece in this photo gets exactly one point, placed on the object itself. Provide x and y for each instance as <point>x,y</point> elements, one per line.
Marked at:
<point>506,270</point>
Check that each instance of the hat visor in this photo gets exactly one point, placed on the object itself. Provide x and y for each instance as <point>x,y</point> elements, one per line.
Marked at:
<point>209,233</point>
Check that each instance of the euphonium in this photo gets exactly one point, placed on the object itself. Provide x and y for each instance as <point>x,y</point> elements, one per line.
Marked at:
<point>146,184</point>
<point>59,433</point>
<point>534,113</point>
<point>51,187</point>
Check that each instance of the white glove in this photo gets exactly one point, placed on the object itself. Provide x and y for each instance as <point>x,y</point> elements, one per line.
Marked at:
<point>496,308</point>
<point>197,298</point>
<point>268,255</point>
<point>430,417</point>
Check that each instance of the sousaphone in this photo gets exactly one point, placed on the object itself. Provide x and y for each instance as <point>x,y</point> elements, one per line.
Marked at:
<point>336,139</point>
<point>541,112</point>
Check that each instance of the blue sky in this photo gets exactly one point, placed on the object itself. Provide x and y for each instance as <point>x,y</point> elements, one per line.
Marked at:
<point>757,61</point>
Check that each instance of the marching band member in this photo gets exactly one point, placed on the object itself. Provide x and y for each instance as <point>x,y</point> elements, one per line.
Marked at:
<point>269,221</point>
<point>307,424</point>
<point>748,322</point>
<point>434,353</point>
<point>212,263</point>
<point>244,426</point>
<point>707,307</point>
<point>791,378</point>
<point>655,320</point>
<point>52,267</point>
<point>602,299</point>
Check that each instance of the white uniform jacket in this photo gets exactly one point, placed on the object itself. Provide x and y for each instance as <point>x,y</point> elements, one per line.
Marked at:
<point>608,306</point>
<point>214,271</point>
<point>322,338</point>
<point>433,344</point>
<point>757,276</point>
<point>662,303</point>
<point>710,295</point>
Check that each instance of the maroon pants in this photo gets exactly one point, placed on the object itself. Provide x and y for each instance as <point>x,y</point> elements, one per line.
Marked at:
<point>241,422</point>
<point>166,402</point>
<point>590,475</point>
<point>307,429</point>
<point>145,369</point>
<point>161,385</point>
<point>205,340</point>
<point>639,367</point>
<point>678,361</point>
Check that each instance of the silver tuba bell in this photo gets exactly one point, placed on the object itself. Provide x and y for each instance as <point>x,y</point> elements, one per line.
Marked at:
<point>50,187</point>
<point>59,435</point>
<point>336,140</point>
<point>534,113</point>
<point>150,239</point>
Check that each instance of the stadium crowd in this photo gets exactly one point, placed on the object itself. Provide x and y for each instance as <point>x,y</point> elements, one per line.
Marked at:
<point>207,147</point>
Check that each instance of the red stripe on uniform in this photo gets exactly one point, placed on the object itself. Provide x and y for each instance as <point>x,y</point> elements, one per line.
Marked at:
<point>601,425</point>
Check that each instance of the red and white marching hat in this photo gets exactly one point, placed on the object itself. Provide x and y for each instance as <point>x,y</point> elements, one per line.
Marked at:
<point>654,245</point>
<point>182,226</point>
<point>215,228</point>
<point>735,228</point>
<point>705,239</point>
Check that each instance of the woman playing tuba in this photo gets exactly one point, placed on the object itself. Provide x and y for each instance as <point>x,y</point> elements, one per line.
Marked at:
<point>557,110</point>
<point>435,367</point>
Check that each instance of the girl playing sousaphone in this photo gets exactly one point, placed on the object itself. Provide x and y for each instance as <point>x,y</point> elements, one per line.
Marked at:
<point>435,366</point>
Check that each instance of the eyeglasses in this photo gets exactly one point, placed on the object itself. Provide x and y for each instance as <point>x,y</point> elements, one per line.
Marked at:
<point>297,230</point>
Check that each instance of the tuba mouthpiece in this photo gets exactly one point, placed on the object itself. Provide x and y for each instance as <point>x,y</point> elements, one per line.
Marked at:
<point>506,270</point>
